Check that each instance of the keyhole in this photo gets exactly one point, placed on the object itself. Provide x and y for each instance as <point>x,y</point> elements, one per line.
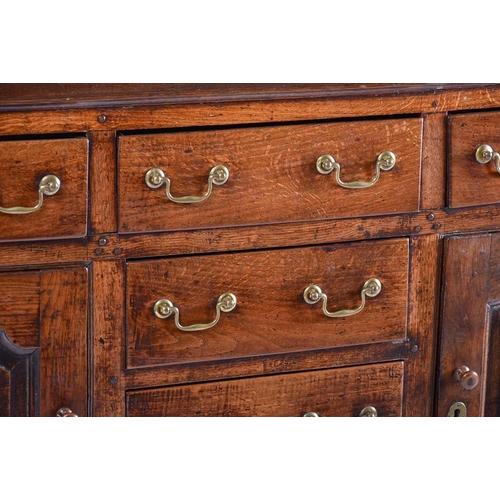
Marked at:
<point>457,409</point>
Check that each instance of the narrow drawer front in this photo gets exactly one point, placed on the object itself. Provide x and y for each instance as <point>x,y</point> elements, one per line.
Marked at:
<point>474,182</point>
<point>271,314</point>
<point>341,392</point>
<point>43,189</point>
<point>273,175</point>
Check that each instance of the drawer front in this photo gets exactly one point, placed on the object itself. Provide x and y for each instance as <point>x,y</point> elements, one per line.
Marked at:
<point>340,392</point>
<point>24,170</point>
<point>273,175</point>
<point>472,182</point>
<point>271,315</point>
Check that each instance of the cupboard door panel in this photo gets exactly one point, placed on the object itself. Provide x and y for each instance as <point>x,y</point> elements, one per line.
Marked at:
<point>43,342</point>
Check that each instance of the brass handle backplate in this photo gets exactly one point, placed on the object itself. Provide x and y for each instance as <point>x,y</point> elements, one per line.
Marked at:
<point>369,411</point>
<point>164,308</point>
<point>65,412</point>
<point>326,164</point>
<point>48,186</point>
<point>485,154</point>
<point>313,294</point>
<point>156,178</point>
<point>468,378</point>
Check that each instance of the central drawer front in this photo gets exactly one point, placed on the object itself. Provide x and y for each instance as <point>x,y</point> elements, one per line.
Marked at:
<point>341,392</point>
<point>273,174</point>
<point>271,315</point>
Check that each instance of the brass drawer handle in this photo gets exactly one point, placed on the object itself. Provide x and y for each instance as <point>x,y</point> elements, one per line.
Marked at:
<point>326,164</point>
<point>48,186</point>
<point>65,412</point>
<point>313,294</point>
<point>155,178</point>
<point>368,411</point>
<point>485,154</point>
<point>163,308</point>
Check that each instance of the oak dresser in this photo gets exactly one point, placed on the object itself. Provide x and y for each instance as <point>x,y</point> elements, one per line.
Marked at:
<point>249,250</point>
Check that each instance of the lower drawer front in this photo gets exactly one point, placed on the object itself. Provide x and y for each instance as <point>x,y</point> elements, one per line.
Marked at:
<point>341,392</point>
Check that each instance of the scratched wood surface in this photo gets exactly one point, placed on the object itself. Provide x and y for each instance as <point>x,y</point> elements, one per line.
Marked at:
<point>273,176</point>
<point>22,166</point>
<point>20,307</point>
<point>473,183</point>
<point>145,115</point>
<point>271,315</point>
<point>342,392</point>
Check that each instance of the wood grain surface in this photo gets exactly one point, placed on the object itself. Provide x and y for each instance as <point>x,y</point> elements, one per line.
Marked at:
<point>64,300</point>
<point>19,379</point>
<point>473,183</point>
<point>271,315</point>
<point>70,95</point>
<point>102,183</point>
<point>20,307</point>
<point>107,355</point>
<point>463,341</point>
<point>341,392</point>
<point>434,161</point>
<point>22,165</point>
<point>146,115</point>
<point>273,176</point>
<point>423,308</point>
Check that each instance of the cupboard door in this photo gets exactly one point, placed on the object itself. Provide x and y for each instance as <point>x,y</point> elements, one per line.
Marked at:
<point>469,368</point>
<point>43,342</point>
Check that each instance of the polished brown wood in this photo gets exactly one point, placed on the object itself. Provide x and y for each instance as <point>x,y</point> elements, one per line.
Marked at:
<point>68,95</point>
<point>187,373</point>
<point>340,392</point>
<point>245,111</point>
<point>45,316</point>
<point>22,166</point>
<point>469,286</point>
<point>19,379</point>
<point>492,382</point>
<point>63,341</point>
<point>102,183</point>
<point>269,166</point>
<point>434,161</point>
<point>271,315</point>
<point>81,300</point>
<point>20,307</point>
<point>442,222</point>
<point>108,339</point>
<point>425,280</point>
<point>473,183</point>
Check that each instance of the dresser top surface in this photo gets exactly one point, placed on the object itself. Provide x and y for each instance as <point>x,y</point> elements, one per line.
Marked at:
<point>23,96</point>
